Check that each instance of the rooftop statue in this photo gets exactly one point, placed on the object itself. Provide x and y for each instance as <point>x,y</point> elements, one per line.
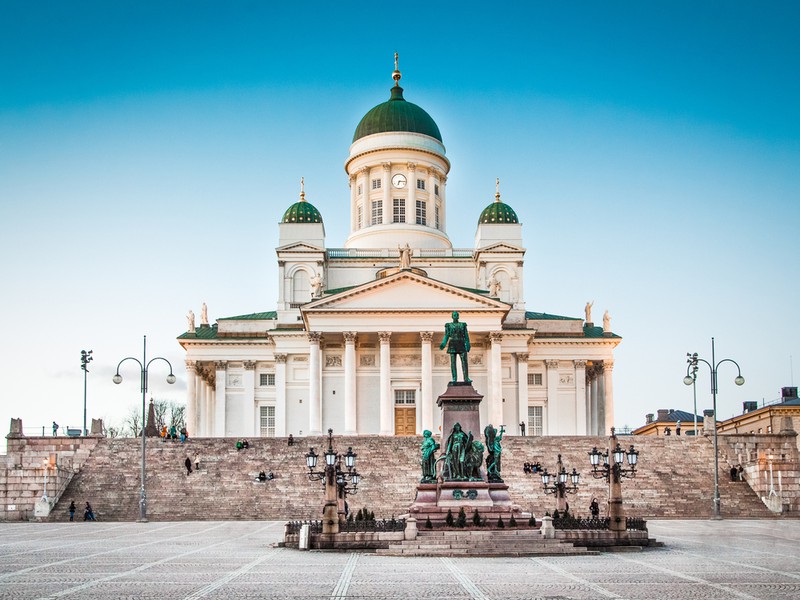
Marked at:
<point>456,334</point>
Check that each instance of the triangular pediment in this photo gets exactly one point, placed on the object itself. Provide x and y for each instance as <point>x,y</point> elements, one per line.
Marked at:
<point>299,247</point>
<point>405,299</point>
<point>500,247</point>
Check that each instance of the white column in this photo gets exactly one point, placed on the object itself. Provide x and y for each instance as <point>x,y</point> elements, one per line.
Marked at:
<point>411,209</point>
<point>314,384</point>
<point>353,204</point>
<point>220,426</point>
<point>280,393</point>
<point>496,379</point>
<point>249,383</point>
<point>608,392</point>
<point>552,397</point>
<point>212,424</point>
<point>350,424</point>
<point>596,427</point>
<point>580,397</point>
<point>209,428</point>
<point>202,399</point>
<point>426,387</point>
<point>191,398</point>
<point>522,389</point>
<point>430,184</point>
<point>443,215</point>
<point>363,200</point>
<point>387,414</point>
<point>387,191</point>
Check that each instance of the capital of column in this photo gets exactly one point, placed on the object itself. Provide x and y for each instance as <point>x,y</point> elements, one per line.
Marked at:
<point>579,364</point>
<point>280,358</point>
<point>551,364</point>
<point>385,336</point>
<point>352,179</point>
<point>314,337</point>
<point>495,336</point>
<point>426,336</point>
<point>522,356</point>
<point>412,166</point>
<point>386,166</point>
<point>220,365</point>
<point>350,337</point>
<point>191,366</point>
<point>608,365</point>
<point>249,365</point>
<point>364,171</point>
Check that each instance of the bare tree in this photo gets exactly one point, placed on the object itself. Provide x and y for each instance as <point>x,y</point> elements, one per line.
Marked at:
<point>161,408</point>
<point>132,423</point>
<point>177,414</point>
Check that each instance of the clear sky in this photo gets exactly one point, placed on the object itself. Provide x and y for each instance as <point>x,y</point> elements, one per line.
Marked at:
<point>148,150</point>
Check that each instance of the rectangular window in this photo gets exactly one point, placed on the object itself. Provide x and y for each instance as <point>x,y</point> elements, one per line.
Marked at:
<point>436,188</point>
<point>359,189</point>
<point>405,397</point>
<point>399,210</point>
<point>420,184</point>
<point>421,213</point>
<point>267,421</point>
<point>436,214</point>
<point>377,212</point>
<point>267,379</point>
<point>376,184</point>
<point>360,223</point>
<point>534,379</point>
<point>534,420</point>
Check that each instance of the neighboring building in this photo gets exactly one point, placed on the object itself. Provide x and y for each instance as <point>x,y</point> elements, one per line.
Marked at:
<point>768,418</point>
<point>668,420</point>
<point>353,342</point>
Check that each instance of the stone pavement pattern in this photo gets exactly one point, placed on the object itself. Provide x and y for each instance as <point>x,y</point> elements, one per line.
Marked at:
<point>237,559</point>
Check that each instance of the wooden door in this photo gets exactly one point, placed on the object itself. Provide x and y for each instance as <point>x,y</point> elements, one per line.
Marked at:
<point>405,420</point>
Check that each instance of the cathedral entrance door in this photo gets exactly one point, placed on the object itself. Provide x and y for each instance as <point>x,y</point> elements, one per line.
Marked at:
<point>405,420</point>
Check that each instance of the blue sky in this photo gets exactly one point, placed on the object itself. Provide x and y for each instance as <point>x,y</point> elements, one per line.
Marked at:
<point>147,151</point>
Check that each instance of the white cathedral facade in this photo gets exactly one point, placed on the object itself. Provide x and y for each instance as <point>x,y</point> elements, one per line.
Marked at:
<point>353,342</point>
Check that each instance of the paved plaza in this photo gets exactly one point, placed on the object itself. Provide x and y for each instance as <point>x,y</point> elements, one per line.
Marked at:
<point>230,560</point>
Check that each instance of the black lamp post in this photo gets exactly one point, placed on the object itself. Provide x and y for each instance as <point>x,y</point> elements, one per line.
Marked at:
<point>610,465</point>
<point>339,483</point>
<point>86,358</point>
<point>144,367</point>
<point>691,375</point>
<point>559,485</point>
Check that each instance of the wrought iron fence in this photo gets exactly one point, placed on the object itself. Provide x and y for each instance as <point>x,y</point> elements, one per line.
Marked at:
<point>570,522</point>
<point>293,527</point>
<point>635,524</point>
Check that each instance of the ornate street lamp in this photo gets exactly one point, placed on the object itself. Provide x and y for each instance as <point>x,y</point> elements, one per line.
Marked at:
<point>339,482</point>
<point>144,367</point>
<point>610,465</point>
<point>690,378</point>
<point>559,485</point>
<point>86,358</point>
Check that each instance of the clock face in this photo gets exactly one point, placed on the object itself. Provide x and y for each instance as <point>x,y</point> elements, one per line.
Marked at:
<point>399,181</point>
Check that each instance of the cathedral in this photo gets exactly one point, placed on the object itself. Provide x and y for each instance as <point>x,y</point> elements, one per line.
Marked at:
<point>353,342</point>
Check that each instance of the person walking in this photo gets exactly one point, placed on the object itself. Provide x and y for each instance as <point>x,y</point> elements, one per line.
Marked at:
<point>197,461</point>
<point>72,510</point>
<point>522,428</point>
<point>188,464</point>
<point>55,429</point>
<point>88,513</point>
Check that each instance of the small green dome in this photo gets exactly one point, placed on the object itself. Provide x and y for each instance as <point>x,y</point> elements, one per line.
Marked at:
<point>302,212</point>
<point>498,212</point>
<point>397,115</point>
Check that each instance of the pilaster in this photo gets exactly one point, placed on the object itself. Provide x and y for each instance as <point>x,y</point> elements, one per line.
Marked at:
<point>220,426</point>
<point>350,409</point>
<point>496,378</point>
<point>522,387</point>
<point>386,412</point>
<point>552,397</point>
<point>426,401</point>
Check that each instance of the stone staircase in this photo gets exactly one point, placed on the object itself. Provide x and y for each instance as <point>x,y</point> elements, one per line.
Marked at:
<point>520,542</point>
<point>674,478</point>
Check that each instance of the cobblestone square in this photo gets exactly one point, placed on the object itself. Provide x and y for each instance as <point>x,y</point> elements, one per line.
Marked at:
<point>238,559</point>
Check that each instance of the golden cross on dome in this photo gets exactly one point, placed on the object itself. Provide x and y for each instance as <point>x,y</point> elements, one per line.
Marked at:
<point>497,190</point>
<point>302,189</point>
<point>396,75</point>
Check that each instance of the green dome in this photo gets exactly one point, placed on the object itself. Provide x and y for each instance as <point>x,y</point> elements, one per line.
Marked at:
<point>397,115</point>
<point>302,212</point>
<point>498,212</point>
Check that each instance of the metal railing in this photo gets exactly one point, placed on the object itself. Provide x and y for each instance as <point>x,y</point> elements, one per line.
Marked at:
<point>293,527</point>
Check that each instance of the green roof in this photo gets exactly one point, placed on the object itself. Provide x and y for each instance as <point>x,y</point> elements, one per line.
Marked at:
<point>260,316</point>
<point>498,212</point>
<point>597,332</point>
<point>537,316</point>
<point>204,332</point>
<point>302,212</point>
<point>396,114</point>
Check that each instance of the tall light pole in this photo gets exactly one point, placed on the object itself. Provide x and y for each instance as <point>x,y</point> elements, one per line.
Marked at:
<point>692,372</point>
<point>693,361</point>
<point>144,366</point>
<point>86,358</point>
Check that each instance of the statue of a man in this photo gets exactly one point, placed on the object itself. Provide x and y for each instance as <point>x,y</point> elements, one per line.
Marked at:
<point>588,310</point>
<point>204,315</point>
<point>494,286</point>
<point>316,285</point>
<point>456,334</point>
<point>190,318</point>
<point>429,448</point>
<point>458,444</point>
<point>405,256</point>
<point>606,322</point>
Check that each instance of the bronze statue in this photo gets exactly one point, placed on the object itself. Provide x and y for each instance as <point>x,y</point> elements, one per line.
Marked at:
<point>495,450</point>
<point>458,337</point>
<point>458,443</point>
<point>429,448</point>
<point>474,461</point>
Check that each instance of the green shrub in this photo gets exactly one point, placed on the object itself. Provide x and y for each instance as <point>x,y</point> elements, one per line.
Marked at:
<point>512,522</point>
<point>449,520</point>
<point>462,518</point>
<point>428,524</point>
<point>476,518</point>
<point>500,524</point>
